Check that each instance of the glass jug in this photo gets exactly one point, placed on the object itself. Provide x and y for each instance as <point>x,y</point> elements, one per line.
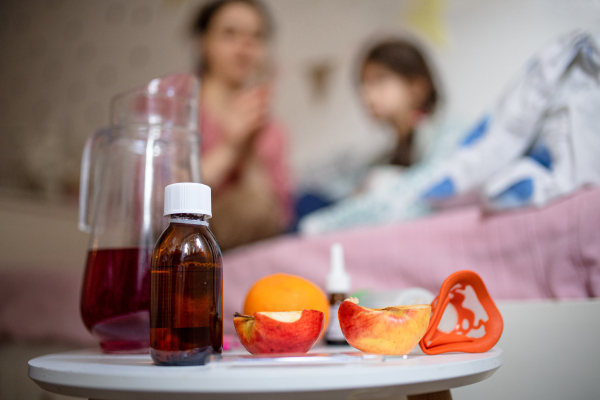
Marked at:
<point>152,142</point>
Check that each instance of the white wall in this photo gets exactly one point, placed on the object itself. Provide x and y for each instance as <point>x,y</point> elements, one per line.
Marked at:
<point>551,352</point>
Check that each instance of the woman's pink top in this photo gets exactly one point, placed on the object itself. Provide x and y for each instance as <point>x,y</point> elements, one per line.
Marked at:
<point>269,146</point>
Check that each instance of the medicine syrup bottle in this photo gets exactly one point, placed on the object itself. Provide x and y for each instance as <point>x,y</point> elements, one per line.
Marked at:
<point>186,290</point>
<point>337,285</point>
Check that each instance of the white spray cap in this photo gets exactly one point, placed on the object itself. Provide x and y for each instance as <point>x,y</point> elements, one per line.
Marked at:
<point>338,280</point>
<point>187,198</point>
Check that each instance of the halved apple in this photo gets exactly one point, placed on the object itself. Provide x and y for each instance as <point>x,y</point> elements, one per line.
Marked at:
<point>279,332</point>
<point>391,330</point>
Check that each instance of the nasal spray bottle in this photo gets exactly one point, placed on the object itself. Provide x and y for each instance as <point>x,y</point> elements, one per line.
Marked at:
<point>337,285</point>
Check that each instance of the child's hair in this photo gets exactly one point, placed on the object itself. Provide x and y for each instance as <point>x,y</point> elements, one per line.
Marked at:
<point>405,59</point>
<point>208,11</point>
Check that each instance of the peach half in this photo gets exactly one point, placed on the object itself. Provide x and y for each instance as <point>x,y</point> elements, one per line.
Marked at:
<point>279,332</point>
<point>391,330</point>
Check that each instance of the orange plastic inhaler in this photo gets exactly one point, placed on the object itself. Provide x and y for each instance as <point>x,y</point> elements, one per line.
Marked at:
<point>436,342</point>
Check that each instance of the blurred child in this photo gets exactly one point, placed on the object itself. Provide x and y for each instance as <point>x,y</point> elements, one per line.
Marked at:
<point>398,88</point>
<point>540,141</point>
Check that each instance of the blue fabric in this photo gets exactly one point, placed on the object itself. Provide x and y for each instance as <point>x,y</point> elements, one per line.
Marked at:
<point>306,204</point>
<point>442,190</point>
<point>476,133</point>
<point>540,153</point>
<point>517,195</point>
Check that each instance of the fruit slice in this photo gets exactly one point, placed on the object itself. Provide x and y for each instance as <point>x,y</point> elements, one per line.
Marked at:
<point>279,332</point>
<point>283,292</point>
<point>391,330</point>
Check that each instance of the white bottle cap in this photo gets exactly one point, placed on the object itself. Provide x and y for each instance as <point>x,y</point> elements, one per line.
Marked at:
<point>338,280</point>
<point>187,198</point>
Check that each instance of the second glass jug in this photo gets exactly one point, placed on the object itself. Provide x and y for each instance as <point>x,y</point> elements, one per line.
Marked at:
<point>152,142</point>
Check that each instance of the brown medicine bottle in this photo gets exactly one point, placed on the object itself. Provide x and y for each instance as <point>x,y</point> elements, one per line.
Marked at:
<point>186,295</point>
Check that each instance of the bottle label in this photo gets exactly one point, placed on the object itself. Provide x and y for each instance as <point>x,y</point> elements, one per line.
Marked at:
<point>334,331</point>
<point>188,221</point>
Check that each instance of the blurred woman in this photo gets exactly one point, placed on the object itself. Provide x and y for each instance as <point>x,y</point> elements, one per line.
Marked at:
<point>243,150</point>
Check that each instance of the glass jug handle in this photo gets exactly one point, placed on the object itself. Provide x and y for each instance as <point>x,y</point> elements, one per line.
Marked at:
<point>91,161</point>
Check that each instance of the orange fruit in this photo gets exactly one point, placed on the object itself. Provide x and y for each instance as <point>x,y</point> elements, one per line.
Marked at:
<point>283,292</point>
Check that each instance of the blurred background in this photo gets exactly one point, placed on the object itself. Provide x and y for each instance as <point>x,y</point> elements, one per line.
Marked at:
<point>61,61</point>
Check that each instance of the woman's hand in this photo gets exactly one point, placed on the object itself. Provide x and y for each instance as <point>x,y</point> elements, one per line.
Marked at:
<point>245,116</point>
<point>241,121</point>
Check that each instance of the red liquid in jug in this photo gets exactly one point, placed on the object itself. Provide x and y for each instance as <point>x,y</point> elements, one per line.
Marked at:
<point>115,299</point>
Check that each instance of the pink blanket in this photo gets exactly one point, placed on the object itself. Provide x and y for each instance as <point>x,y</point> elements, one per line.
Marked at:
<point>552,252</point>
<point>42,306</point>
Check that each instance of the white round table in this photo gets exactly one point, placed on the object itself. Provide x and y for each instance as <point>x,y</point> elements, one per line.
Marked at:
<point>91,374</point>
